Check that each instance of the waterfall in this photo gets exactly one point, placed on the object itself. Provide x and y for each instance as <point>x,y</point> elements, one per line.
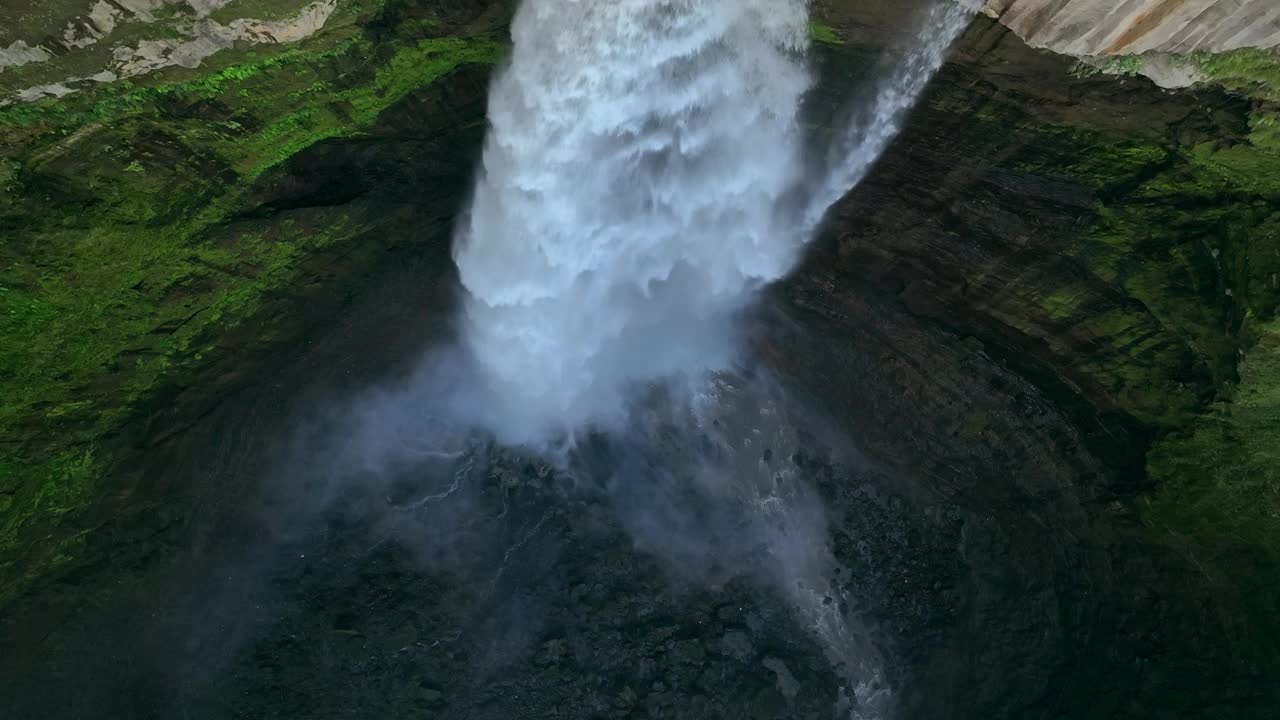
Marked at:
<point>626,206</point>
<point>631,199</point>
<point>853,152</point>
<point>644,176</point>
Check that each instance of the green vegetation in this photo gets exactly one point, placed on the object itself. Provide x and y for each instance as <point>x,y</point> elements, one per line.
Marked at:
<point>258,10</point>
<point>283,90</point>
<point>1246,166</point>
<point>1123,65</point>
<point>1218,488</point>
<point>824,34</point>
<point>1264,126</point>
<point>1256,74</point>
<point>1165,305</point>
<point>1220,478</point>
<point>1193,234</point>
<point>1190,233</point>
<point>1157,224</point>
<point>1173,287</point>
<point>34,19</point>
<point>115,279</point>
<point>1250,71</point>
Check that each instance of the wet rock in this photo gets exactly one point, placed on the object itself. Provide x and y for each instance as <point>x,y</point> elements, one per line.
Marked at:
<point>768,704</point>
<point>689,652</point>
<point>737,645</point>
<point>553,652</point>
<point>787,684</point>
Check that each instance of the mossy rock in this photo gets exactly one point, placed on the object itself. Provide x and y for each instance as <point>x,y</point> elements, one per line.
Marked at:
<point>114,279</point>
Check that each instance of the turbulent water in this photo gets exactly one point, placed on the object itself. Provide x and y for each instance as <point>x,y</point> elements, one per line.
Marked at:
<point>643,177</point>
<point>628,206</point>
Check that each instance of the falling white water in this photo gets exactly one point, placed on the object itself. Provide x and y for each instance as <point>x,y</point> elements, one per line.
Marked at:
<point>632,191</point>
<point>626,208</point>
<point>854,152</point>
<point>643,178</point>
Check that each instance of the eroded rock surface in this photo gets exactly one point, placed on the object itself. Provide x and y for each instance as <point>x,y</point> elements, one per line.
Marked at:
<point>152,35</point>
<point>1111,27</point>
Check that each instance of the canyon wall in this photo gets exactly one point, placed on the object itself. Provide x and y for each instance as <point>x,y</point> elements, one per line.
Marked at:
<point>1054,303</point>
<point>1111,27</point>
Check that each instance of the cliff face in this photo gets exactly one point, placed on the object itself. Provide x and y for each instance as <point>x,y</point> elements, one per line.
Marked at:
<point>1049,313</point>
<point>1069,255</point>
<point>60,48</point>
<point>148,217</point>
<point>1113,27</point>
<point>1176,43</point>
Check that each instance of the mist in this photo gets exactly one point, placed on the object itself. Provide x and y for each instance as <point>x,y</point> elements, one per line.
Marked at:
<point>639,186</point>
<point>645,176</point>
<point>625,209</point>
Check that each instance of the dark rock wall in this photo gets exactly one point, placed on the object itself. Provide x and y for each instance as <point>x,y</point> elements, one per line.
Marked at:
<point>982,335</point>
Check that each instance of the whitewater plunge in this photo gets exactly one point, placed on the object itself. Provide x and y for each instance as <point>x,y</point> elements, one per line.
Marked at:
<point>643,177</point>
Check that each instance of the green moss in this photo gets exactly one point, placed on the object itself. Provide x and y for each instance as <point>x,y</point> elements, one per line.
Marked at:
<point>170,22</point>
<point>1155,254</point>
<point>63,116</point>
<point>413,67</point>
<point>1253,169</point>
<point>185,295</point>
<point>67,486</point>
<point>1251,71</point>
<point>283,92</point>
<point>1122,65</point>
<point>825,34</point>
<point>1191,234</point>
<point>115,278</point>
<point>280,9</point>
<point>34,18</point>
<point>1254,73</point>
<point>1081,70</point>
<point>1107,167</point>
<point>1221,478</point>
<point>258,10</point>
<point>325,113</point>
<point>1264,129</point>
<point>83,62</point>
<point>1173,274</point>
<point>1218,489</point>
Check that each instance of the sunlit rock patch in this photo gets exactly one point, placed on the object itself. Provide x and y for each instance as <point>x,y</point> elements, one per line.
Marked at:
<point>137,37</point>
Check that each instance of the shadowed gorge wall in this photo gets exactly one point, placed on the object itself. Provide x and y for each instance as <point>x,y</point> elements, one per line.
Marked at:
<point>1069,252</point>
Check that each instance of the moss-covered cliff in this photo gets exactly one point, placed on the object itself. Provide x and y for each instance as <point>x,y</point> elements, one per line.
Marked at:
<point>123,271</point>
<point>1116,247</point>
